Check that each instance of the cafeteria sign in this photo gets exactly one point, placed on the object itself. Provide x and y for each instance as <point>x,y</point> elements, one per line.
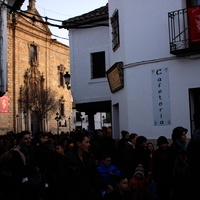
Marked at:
<point>161,98</point>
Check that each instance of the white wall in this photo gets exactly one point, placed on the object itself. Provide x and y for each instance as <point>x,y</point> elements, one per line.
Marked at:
<point>143,29</point>
<point>144,46</point>
<point>83,42</point>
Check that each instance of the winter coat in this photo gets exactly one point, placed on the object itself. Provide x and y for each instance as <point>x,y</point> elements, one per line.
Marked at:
<point>161,167</point>
<point>129,161</point>
<point>77,176</point>
<point>104,174</point>
<point>139,188</point>
<point>142,157</point>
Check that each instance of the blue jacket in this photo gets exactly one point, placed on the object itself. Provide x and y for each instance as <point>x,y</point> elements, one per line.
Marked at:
<point>103,173</point>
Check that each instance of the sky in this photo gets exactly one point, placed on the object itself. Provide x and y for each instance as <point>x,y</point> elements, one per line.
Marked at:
<point>63,10</point>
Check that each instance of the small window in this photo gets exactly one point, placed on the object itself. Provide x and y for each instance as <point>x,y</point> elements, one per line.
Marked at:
<point>61,79</point>
<point>62,109</point>
<point>115,30</point>
<point>33,53</point>
<point>98,65</point>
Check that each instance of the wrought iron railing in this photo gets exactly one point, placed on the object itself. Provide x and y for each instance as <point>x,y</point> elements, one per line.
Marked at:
<point>178,30</point>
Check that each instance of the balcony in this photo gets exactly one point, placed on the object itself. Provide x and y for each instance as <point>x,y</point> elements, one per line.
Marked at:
<point>181,35</point>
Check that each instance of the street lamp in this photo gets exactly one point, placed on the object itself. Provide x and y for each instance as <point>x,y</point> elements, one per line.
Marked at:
<point>44,121</point>
<point>67,80</point>
<point>57,118</point>
<point>17,118</point>
<point>25,125</point>
<point>69,124</point>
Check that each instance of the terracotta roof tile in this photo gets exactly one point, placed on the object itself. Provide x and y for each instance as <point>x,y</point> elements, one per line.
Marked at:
<point>96,15</point>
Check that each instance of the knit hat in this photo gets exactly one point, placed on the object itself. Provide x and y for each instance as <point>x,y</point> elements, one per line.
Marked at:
<point>162,140</point>
<point>139,170</point>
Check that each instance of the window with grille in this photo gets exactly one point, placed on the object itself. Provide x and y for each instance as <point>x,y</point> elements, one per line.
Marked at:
<point>115,30</point>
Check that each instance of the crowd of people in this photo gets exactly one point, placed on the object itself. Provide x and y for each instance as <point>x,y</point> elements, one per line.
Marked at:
<point>78,166</point>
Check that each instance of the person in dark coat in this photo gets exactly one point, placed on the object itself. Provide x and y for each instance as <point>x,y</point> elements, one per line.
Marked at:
<point>77,173</point>
<point>52,172</point>
<point>120,147</point>
<point>24,171</point>
<point>161,169</point>
<point>109,145</point>
<point>128,164</point>
<point>142,154</point>
<point>193,153</point>
<point>179,164</point>
<point>97,145</point>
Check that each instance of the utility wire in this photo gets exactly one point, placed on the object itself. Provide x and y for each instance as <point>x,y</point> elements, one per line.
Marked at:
<point>20,12</point>
<point>46,18</point>
<point>33,18</point>
<point>42,29</point>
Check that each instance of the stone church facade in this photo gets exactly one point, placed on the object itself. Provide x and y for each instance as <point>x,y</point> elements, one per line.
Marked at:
<point>35,62</point>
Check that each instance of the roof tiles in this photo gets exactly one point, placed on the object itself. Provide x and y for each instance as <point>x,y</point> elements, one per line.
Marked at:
<point>96,15</point>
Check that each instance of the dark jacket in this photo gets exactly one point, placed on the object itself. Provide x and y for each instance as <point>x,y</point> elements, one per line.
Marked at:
<point>129,161</point>
<point>77,176</point>
<point>22,165</point>
<point>142,157</point>
<point>161,167</point>
<point>180,172</point>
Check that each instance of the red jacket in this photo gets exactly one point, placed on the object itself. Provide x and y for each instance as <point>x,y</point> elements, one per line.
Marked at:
<point>138,188</point>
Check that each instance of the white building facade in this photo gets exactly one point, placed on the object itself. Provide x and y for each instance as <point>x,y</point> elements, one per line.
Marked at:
<point>152,66</point>
<point>89,42</point>
<point>5,7</point>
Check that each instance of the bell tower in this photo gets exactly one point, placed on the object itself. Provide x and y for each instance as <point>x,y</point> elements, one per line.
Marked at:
<point>31,5</point>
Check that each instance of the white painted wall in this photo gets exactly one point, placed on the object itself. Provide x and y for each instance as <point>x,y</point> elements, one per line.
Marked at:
<point>144,46</point>
<point>143,29</point>
<point>83,42</point>
<point>144,38</point>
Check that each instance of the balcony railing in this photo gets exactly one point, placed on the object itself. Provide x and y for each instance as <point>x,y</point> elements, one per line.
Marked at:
<point>179,34</point>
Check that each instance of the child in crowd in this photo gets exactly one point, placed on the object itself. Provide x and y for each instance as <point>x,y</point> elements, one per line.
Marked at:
<point>120,192</point>
<point>151,149</point>
<point>105,174</point>
<point>138,185</point>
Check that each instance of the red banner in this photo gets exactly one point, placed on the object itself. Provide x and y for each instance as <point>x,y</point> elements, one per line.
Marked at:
<point>194,23</point>
<point>4,104</point>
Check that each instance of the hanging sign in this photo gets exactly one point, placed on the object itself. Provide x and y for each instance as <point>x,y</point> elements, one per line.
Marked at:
<point>4,104</point>
<point>161,98</point>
